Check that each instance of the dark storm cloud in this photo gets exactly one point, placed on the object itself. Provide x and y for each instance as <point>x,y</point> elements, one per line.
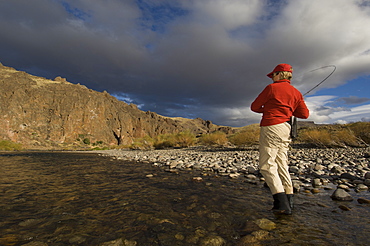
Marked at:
<point>205,59</point>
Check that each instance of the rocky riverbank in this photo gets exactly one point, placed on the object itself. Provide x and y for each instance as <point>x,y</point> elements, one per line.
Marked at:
<point>312,170</point>
<point>179,197</point>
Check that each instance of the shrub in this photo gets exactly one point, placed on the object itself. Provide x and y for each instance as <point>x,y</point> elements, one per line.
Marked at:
<point>164,141</point>
<point>9,145</point>
<point>247,137</point>
<point>214,139</point>
<point>182,140</point>
<point>142,143</point>
<point>86,141</point>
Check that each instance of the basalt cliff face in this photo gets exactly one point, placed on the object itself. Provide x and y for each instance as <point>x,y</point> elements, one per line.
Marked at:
<point>39,112</point>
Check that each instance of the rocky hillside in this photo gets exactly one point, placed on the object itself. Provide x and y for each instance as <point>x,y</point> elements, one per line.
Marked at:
<point>39,112</point>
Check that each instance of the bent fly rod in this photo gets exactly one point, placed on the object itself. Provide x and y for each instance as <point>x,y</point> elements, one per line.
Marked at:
<point>293,120</point>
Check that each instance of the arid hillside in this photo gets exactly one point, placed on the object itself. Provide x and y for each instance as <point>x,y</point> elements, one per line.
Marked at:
<point>43,113</point>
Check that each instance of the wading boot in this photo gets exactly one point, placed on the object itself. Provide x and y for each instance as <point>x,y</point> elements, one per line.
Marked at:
<point>291,200</point>
<point>281,204</point>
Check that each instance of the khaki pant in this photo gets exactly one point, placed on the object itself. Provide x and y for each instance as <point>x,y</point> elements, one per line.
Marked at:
<point>273,157</point>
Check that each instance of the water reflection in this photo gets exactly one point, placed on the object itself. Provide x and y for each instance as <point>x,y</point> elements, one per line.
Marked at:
<point>60,198</point>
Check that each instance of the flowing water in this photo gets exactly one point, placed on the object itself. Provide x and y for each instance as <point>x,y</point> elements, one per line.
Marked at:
<point>63,198</point>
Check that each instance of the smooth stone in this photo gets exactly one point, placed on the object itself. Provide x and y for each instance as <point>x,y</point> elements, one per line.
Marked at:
<point>344,207</point>
<point>361,187</point>
<point>265,224</point>
<point>367,175</point>
<point>317,182</point>
<point>213,241</point>
<point>348,176</point>
<point>254,238</point>
<point>35,243</point>
<point>363,201</point>
<point>341,195</point>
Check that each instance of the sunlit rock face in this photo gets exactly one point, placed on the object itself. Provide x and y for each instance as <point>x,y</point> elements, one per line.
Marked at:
<point>39,112</point>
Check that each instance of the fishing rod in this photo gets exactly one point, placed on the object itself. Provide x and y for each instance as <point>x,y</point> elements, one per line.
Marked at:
<point>293,120</point>
<point>322,81</point>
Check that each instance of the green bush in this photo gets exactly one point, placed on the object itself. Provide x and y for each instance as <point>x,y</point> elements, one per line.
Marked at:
<point>86,141</point>
<point>9,145</point>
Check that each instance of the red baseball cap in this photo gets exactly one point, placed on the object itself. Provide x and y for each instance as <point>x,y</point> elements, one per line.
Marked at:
<point>281,68</point>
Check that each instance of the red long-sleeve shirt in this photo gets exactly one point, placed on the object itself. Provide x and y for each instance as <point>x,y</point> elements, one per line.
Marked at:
<point>278,102</point>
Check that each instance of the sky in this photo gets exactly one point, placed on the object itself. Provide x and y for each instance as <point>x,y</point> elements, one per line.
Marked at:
<point>197,58</point>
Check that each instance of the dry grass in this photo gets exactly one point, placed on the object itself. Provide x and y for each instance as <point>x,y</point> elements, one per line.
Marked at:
<point>361,130</point>
<point>180,140</point>
<point>248,136</point>
<point>319,138</point>
<point>214,139</point>
<point>176,140</point>
<point>143,143</point>
<point>353,135</point>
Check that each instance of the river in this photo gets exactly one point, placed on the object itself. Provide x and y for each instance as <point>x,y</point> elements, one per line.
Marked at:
<point>66,198</point>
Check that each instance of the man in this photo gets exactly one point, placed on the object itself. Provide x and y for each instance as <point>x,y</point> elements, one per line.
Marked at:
<point>277,103</point>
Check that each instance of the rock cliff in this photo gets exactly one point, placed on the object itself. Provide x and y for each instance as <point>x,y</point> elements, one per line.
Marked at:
<point>39,112</point>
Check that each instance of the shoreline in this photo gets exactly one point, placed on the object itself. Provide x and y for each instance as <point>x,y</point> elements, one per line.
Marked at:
<point>312,170</point>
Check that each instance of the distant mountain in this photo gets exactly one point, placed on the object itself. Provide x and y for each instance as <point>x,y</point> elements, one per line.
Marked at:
<point>43,113</point>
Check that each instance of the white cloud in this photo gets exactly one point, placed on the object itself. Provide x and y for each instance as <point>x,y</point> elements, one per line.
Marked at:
<point>228,14</point>
<point>321,111</point>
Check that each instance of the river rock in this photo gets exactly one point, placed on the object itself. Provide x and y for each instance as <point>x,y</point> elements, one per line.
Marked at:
<point>344,207</point>
<point>316,182</point>
<point>309,168</point>
<point>119,242</point>
<point>213,241</point>
<point>265,224</point>
<point>294,169</point>
<point>36,243</point>
<point>367,175</point>
<point>363,201</point>
<point>341,195</point>
<point>77,240</point>
<point>254,238</point>
<point>348,176</point>
<point>361,187</point>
